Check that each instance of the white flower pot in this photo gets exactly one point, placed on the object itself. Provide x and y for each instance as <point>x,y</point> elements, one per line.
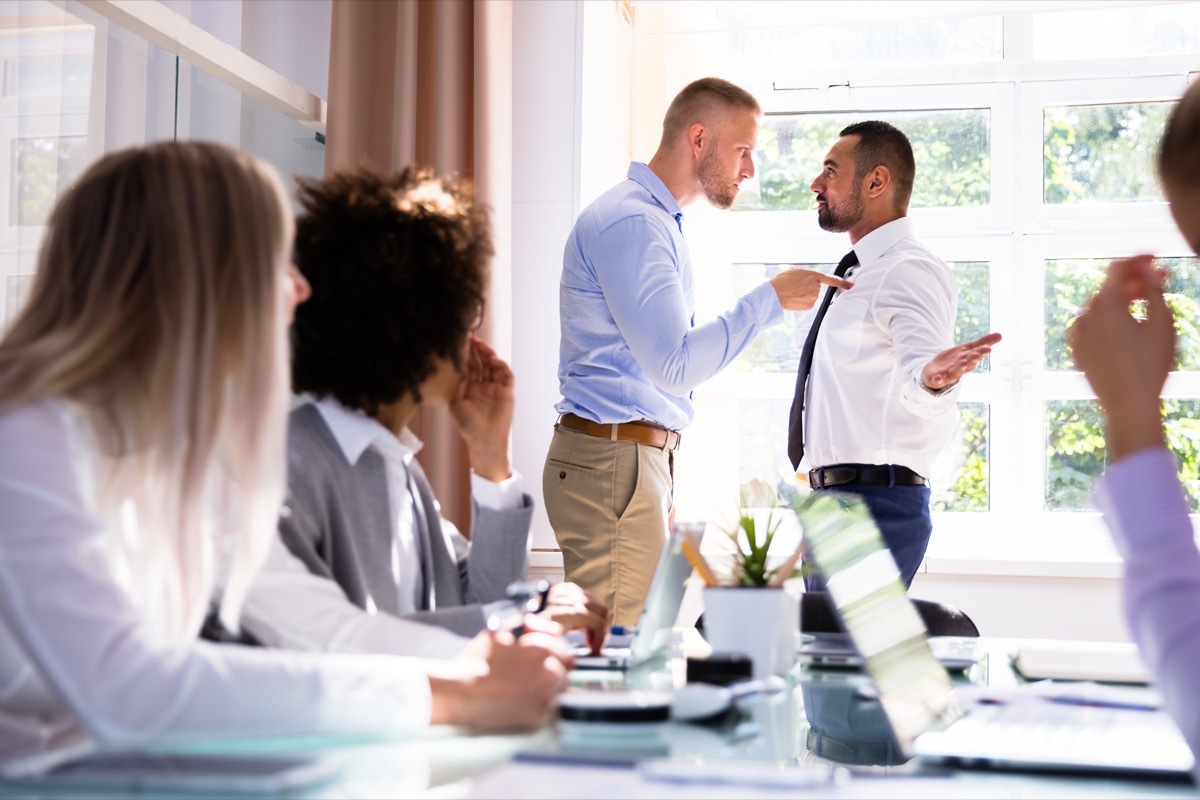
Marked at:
<point>763,623</point>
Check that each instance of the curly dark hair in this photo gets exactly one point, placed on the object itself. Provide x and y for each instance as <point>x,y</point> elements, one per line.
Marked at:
<point>398,267</point>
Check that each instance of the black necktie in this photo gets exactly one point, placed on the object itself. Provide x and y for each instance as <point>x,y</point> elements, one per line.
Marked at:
<point>796,417</point>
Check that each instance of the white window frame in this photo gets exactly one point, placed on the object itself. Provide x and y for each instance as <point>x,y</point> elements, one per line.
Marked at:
<point>1015,234</point>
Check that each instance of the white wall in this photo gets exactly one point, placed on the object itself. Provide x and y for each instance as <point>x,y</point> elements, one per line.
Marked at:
<point>1031,606</point>
<point>560,157</point>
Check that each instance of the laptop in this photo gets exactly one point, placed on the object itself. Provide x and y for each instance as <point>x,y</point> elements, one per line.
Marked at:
<point>657,622</point>
<point>1037,731</point>
<point>956,653</point>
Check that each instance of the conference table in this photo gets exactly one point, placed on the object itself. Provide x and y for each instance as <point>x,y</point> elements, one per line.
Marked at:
<point>773,745</point>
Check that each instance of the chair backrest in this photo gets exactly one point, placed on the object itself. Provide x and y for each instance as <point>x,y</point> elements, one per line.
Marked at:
<point>941,619</point>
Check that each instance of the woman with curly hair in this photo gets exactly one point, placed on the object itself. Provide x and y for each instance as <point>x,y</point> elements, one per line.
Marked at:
<point>144,384</point>
<point>398,266</point>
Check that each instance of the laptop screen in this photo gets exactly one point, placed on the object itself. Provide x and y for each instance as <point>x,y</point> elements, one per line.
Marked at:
<point>866,591</point>
<point>663,599</point>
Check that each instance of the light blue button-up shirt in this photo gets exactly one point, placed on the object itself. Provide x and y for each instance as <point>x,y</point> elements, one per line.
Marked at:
<point>630,349</point>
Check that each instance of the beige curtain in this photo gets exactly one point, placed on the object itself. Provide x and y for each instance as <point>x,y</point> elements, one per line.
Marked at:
<point>430,81</point>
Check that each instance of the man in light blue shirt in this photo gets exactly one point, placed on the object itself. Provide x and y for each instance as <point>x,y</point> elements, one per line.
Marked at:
<point>631,351</point>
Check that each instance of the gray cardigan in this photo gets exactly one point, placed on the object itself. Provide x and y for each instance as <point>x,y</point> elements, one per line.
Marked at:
<point>340,526</point>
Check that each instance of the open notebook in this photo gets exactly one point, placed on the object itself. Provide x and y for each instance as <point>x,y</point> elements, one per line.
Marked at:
<point>921,704</point>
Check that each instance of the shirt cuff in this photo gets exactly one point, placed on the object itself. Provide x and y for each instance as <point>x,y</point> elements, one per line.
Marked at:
<point>922,401</point>
<point>503,496</point>
<point>765,302</point>
<point>1143,501</point>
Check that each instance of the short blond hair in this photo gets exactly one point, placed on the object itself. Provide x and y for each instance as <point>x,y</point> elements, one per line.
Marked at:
<point>702,101</point>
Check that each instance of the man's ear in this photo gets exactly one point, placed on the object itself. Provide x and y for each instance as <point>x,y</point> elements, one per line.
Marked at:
<point>877,182</point>
<point>699,138</point>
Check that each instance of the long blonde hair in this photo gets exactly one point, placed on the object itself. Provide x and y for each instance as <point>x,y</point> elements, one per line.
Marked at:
<point>158,309</point>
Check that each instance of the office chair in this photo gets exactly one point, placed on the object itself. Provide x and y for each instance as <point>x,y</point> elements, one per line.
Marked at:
<point>817,616</point>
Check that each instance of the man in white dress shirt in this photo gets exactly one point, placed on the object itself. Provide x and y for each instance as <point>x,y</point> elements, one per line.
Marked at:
<point>398,269</point>
<point>875,394</point>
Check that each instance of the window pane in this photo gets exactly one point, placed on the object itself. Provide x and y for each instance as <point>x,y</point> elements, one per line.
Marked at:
<point>1117,32</point>
<point>1071,281</point>
<point>59,74</point>
<point>15,291</point>
<point>44,167</point>
<point>974,304</point>
<point>1076,454</point>
<point>748,41</point>
<point>762,442</point>
<point>952,150</point>
<point>1102,153</point>
<point>776,349</point>
<point>966,488</point>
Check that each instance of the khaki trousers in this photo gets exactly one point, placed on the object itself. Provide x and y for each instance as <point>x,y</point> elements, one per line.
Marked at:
<point>608,502</point>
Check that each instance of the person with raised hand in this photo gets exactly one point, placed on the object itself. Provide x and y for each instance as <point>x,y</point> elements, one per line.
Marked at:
<point>1126,359</point>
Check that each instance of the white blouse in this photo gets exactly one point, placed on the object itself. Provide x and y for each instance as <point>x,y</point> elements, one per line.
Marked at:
<point>79,652</point>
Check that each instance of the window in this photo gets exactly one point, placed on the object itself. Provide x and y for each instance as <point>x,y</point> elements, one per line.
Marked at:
<point>44,167</point>
<point>1035,168</point>
<point>76,86</point>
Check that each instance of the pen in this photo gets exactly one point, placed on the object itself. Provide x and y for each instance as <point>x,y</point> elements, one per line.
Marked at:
<point>1092,702</point>
<point>575,759</point>
<point>524,597</point>
<point>734,773</point>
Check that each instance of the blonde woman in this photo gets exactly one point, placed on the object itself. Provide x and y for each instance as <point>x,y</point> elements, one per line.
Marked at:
<point>146,377</point>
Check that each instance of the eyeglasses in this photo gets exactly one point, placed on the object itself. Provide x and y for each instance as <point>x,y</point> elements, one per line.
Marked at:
<point>477,320</point>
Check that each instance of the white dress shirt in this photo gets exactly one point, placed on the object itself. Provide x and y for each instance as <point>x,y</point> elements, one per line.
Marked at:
<point>866,401</point>
<point>288,606</point>
<point>83,651</point>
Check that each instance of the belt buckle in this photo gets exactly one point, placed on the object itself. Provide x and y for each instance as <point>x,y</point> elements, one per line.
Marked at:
<point>819,472</point>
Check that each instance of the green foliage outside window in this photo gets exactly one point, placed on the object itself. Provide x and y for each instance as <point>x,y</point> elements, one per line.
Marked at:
<point>44,167</point>
<point>1102,153</point>
<point>1076,455</point>
<point>951,148</point>
<point>1070,282</point>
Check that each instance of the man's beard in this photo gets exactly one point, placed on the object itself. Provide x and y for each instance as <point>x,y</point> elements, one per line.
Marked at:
<point>717,189</point>
<point>842,219</point>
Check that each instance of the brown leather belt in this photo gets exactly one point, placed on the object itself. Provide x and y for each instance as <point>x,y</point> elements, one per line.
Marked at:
<point>640,432</point>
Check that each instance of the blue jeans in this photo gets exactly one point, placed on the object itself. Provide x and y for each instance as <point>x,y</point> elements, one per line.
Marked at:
<point>902,514</point>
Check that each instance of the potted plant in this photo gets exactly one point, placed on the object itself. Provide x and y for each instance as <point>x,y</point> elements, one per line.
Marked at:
<point>751,611</point>
<point>752,542</point>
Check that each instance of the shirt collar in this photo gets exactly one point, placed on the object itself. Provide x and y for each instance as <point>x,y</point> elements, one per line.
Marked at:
<point>872,246</point>
<point>354,432</point>
<point>644,176</point>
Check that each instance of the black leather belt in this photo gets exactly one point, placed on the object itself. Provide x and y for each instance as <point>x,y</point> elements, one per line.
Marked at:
<point>885,474</point>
